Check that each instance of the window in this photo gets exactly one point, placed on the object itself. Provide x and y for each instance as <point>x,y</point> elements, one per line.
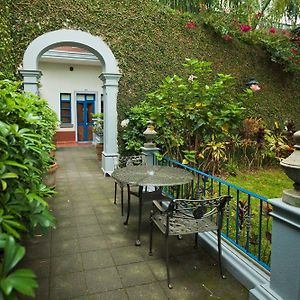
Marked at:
<point>65,108</point>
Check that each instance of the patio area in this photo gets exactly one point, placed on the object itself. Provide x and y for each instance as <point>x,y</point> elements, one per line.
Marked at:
<point>91,254</point>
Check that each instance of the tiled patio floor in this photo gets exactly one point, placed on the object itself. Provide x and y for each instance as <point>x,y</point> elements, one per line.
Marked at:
<point>91,254</point>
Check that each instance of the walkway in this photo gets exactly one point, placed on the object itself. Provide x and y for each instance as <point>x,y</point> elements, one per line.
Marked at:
<point>91,254</point>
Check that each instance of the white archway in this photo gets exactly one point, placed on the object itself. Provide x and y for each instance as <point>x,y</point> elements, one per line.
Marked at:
<point>110,78</point>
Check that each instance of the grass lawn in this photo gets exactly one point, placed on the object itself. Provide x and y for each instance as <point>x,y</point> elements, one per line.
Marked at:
<point>266,182</point>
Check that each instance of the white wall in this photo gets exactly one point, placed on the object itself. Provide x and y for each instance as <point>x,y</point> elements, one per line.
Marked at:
<point>57,78</point>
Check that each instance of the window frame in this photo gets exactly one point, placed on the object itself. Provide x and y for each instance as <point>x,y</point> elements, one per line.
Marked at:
<point>65,109</point>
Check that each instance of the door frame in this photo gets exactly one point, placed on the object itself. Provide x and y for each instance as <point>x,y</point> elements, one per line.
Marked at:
<point>96,107</point>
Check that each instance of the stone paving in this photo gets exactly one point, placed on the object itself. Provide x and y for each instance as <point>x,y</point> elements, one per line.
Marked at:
<point>91,254</point>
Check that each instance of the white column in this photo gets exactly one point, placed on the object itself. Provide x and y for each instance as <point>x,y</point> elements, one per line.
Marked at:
<point>110,134</point>
<point>31,80</point>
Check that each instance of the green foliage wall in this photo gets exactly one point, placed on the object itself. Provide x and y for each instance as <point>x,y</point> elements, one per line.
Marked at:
<point>150,42</point>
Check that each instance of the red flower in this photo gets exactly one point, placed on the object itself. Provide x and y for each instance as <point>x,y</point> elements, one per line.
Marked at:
<point>190,25</point>
<point>272,30</point>
<point>227,37</point>
<point>245,28</point>
<point>290,58</point>
<point>294,50</point>
<point>298,59</point>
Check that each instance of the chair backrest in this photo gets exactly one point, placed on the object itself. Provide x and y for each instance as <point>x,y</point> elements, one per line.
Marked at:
<point>199,209</point>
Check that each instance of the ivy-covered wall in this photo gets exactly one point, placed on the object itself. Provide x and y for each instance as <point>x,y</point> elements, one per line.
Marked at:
<point>150,42</point>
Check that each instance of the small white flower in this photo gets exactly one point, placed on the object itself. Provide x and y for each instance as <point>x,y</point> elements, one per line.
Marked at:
<point>124,123</point>
<point>192,77</point>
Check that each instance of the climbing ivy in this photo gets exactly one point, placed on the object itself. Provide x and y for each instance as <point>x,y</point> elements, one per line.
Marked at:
<point>149,41</point>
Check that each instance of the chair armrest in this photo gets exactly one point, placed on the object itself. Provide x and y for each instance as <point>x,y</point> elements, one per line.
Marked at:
<point>157,205</point>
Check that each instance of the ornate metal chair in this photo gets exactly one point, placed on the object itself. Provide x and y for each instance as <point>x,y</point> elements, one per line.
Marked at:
<point>183,216</point>
<point>121,162</point>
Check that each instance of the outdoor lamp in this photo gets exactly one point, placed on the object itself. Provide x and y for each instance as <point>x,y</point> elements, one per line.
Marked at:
<point>149,135</point>
<point>253,85</point>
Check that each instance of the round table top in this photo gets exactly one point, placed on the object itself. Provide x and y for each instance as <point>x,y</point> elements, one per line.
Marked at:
<point>152,175</point>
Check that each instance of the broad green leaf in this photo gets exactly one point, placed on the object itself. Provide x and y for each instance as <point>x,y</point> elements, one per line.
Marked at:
<point>4,185</point>
<point>9,175</point>
<point>15,164</point>
<point>10,230</point>
<point>23,280</point>
<point>13,253</point>
<point>33,196</point>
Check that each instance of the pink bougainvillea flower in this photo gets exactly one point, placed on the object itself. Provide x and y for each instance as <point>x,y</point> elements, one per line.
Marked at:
<point>286,33</point>
<point>255,87</point>
<point>245,28</point>
<point>192,77</point>
<point>190,25</point>
<point>227,37</point>
<point>272,30</point>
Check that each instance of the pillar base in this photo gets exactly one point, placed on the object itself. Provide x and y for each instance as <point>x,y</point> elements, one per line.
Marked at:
<point>263,292</point>
<point>291,197</point>
<point>108,162</point>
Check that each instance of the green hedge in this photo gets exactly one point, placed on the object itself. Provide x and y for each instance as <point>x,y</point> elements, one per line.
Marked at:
<point>150,42</point>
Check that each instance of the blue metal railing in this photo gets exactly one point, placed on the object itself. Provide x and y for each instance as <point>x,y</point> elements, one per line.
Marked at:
<point>247,223</point>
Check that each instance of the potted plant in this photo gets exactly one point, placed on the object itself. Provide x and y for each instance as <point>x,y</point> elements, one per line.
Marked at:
<point>49,178</point>
<point>98,133</point>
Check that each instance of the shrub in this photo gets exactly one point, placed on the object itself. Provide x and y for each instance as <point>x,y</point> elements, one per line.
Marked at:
<point>191,114</point>
<point>27,127</point>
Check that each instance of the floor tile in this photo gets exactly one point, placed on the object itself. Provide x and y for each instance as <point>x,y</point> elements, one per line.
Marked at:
<point>152,291</point>
<point>92,243</point>
<point>90,230</point>
<point>110,295</point>
<point>65,247</point>
<point>67,286</point>
<point>66,264</point>
<point>101,280</point>
<point>97,259</point>
<point>135,274</point>
<point>126,255</point>
<point>64,233</point>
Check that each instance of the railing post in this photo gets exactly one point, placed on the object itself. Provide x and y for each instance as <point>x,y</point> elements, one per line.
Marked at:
<point>285,256</point>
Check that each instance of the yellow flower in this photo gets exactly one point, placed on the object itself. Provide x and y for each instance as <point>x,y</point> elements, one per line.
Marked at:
<point>185,162</point>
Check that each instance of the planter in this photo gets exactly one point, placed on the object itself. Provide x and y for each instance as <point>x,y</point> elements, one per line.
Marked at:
<point>49,178</point>
<point>99,150</point>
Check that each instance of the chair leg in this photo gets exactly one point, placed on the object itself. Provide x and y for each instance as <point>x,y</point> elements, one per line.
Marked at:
<point>122,201</point>
<point>167,261</point>
<point>220,254</point>
<point>196,241</point>
<point>128,206</point>
<point>115,201</point>
<point>151,234</point>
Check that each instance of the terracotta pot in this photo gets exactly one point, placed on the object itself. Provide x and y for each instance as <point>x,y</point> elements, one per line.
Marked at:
<point>49,178</point>
<point>99,150</point>
<point>53,152</point>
